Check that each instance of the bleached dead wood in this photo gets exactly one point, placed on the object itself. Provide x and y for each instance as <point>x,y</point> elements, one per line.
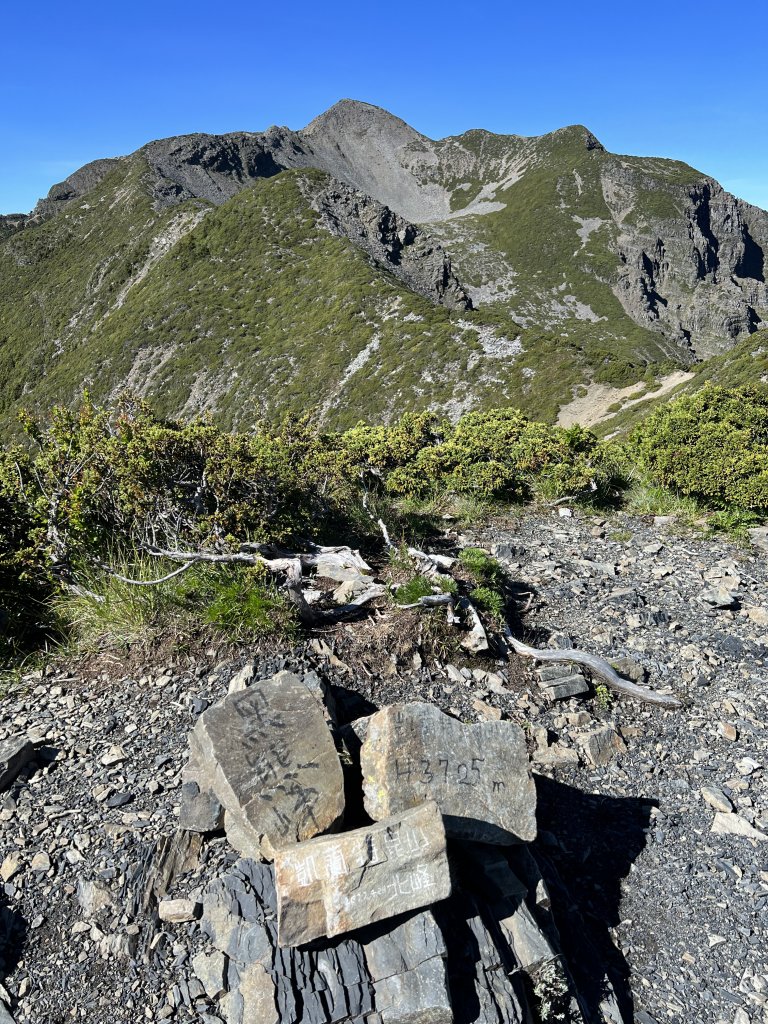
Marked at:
<point>476,640</point>
<point>289,565</point>
<point>599,667</point>
<point>429,601</point>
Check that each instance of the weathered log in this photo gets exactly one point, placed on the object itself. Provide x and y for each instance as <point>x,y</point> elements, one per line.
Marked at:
<point>429,601</point>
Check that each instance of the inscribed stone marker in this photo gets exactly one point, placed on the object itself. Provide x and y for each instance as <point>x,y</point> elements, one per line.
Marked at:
<point>268,756</point>
<point>478,775</point>
<point>333,884</point>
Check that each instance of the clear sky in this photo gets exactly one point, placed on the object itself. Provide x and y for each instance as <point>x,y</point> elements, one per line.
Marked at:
<point>82,80</point>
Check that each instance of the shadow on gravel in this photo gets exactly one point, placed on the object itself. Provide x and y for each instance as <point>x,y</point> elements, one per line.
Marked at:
<point>13,933</point>
<point>587,844</point>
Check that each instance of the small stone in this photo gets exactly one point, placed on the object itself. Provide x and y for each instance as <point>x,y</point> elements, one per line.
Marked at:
<point>759,537</point>
<point>556,755</point>
<point>41,862</point>
<point>241,679</point>
<point>728,731</point>
<point>719,597</point>
<point>486,712</point>
<point>602,745</point>
<point>93,897</point>
<point>631,669</point>
<point>199,811</point>
<point>178,911</point>
<point>758,615</point>
<point>115,755</point>
<point>578,718</point>
<point>716,798</point>
<point>210,968</point>
<point>119,799</point>
<point>332,884</point>
<point>573,685</point>
<point>10,867</point>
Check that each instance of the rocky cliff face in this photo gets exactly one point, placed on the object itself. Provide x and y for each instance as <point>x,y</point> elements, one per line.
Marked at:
<point>73,187</point>
<point>698,277</point>
<point>11,222</point>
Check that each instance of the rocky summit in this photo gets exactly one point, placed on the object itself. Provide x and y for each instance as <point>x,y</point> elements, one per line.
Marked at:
<point>362,268</point>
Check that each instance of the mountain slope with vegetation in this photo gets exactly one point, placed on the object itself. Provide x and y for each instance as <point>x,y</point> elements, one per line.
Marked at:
<point>357,268</point>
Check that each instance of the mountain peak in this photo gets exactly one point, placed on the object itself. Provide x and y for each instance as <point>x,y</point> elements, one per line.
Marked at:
<point>356,116</point>
<point>580,134</point>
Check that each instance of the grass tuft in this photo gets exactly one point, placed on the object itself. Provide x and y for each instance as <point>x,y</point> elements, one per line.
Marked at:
<point>207,602</point>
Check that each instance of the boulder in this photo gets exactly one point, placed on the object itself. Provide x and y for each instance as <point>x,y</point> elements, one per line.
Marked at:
<point>333,884</point>
<point>15,753</point>
<point>478,775</point>
<point>268,757</point>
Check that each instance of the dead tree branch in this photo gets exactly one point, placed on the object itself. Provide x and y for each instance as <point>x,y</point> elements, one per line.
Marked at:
<point>599,667</point>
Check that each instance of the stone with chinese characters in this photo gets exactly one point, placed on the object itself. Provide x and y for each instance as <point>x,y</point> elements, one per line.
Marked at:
<point>333,884</point>
<point>478,775</point>
<point>268,757</point>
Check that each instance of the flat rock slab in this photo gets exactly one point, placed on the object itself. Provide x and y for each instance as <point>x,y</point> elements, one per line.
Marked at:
<point>330,885</point>
<point>15,753</point>
<point>478,775</point>
<point>268,756</point>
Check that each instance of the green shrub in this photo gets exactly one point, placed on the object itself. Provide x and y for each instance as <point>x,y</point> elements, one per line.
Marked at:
<point>497,454</point>
<point>417,587</point>
<point>482,566</point>
<point>489,599</point>
<point>711,445</point>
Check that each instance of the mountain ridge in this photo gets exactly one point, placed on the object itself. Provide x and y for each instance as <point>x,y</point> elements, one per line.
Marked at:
<point>580,265</point>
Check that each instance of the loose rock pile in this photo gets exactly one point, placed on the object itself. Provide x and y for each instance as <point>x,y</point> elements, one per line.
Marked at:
<point>437,899</point>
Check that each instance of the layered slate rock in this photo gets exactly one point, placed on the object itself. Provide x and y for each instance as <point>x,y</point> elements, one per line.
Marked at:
<point>333,884</point>
<point>15,753</point>
<point>268,757</point>
<point>478,775</point>
<point>407,965</point>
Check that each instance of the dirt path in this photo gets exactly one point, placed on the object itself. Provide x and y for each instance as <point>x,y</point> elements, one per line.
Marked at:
<point>594,405</point>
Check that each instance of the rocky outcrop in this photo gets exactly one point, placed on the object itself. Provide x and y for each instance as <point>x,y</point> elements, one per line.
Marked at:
<point>699,277</point>
<point>408,252</point>
<point>74,187</point>
<point>10,222</point>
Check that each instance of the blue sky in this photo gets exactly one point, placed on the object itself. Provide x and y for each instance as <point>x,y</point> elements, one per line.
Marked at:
<point>85,80</point>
